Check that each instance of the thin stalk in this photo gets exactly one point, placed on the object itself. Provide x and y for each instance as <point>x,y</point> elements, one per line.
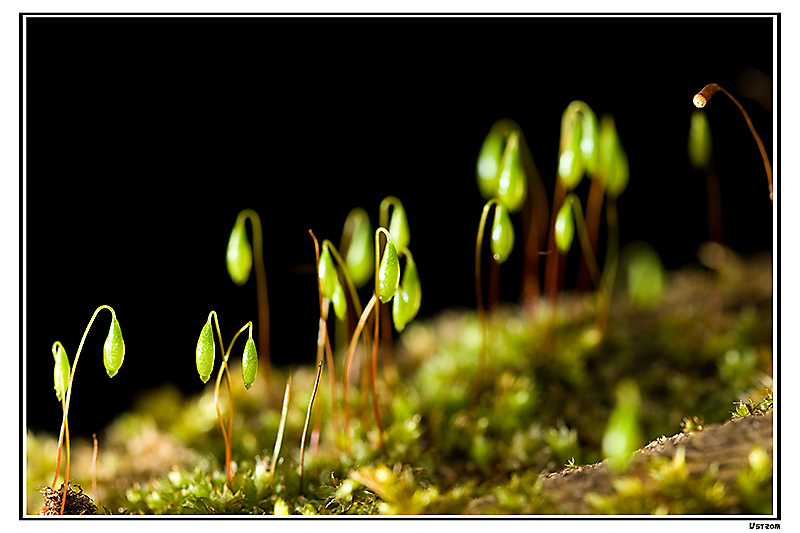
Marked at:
<point>610,267</point>
<point>594,205</point>
<point>227,436</point>
<point>94,465</point>
<point>588,253</point>
<point>351,350</point>
<point>279,438</point>
<point>305,427</point>
<point>261,291</point>
<point>64,423</point>
<point>375,405</point>
<point>702,98</point>
<point>479,296</point>
<point>553,257</point>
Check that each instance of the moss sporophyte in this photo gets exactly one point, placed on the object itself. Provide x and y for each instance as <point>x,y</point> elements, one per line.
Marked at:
<point>113,356</point>
<point>205,354</point>
<point>702,98</point>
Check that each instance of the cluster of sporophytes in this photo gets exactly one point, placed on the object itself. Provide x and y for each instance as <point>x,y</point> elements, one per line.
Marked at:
<point>555,393</point>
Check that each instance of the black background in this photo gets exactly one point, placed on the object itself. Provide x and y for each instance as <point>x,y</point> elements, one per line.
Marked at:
<point>146,137</point>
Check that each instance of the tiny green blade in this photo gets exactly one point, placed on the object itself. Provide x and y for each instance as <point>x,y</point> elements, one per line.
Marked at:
<point>205,352</point>
<point>113,349</point>
<point>249,363</point>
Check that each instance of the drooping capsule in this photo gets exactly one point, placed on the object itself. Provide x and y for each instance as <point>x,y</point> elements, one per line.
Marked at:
<point>360,248</point>
<point>249,363</point>
<point>113,349</point>
<point>339,302</point>
<point>239,256</point>
<point>565,228</point>
<point>502,240</point>
<point>327,273</point>
<point>512,185</point>
<point>61,370</point>
<point>613,160</point>
<point>398,226</point>
<point>205,351</point>
<point>408,298</point>
<point>388,273</point>
<point>489,163</point>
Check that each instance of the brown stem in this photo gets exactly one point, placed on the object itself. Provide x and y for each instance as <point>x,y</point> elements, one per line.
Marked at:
<point>375,380</point>
<point>305,427</point>
<point>553,257</point>
<point>702,98</point>
<point>480,309</point>
<point>594,206</point>
<point>350,351</point>
<point>714,205</point>
<point>261,293</point>
<point>94,465</point>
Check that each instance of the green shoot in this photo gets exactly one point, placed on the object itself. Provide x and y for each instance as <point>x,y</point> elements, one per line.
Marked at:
<point>239,261</point>
<point>204,358</point>
<point>113,356</point>
<point>702,98</point>
<point>279,437</point>
<point>305,426</point>
<point>623,433</point>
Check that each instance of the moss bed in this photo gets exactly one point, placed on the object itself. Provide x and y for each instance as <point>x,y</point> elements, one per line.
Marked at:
<point>701,358</point>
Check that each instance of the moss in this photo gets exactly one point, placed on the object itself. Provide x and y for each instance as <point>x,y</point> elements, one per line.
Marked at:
<point>546,397</point>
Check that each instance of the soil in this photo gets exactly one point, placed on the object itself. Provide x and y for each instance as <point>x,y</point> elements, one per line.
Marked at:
<point>77,502</point>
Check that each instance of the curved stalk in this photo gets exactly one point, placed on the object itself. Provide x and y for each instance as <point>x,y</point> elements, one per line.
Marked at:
<point>279,438</point>
<point>226,436</point>
<point>702,98</point>
<point>479,295</point>
<point>350,351</point>
<point>64,420</point>
<point>261,290</point>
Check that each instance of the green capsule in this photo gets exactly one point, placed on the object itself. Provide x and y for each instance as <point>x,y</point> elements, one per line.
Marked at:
<point>512,185</point>
<point>360,249</point>
<point>239,257</point>
<point>339,301</point>
<point>699,140</point>
<point>406,303</point>
<point>590,136</point>
<point>565,228</point>
<point>613,162</point>
<point>249,363</point>
<point>61,371</point>
<point>489,163</point>
<point>502,234</point>
<point>205,352</point>
<point>327,273</point>
<point>388,273</point>
<point>646,278</point>
<point>113,349</point>
<point>398,227</point>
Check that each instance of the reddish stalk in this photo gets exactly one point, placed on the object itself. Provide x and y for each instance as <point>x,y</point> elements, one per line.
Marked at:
<point>702,98</point>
